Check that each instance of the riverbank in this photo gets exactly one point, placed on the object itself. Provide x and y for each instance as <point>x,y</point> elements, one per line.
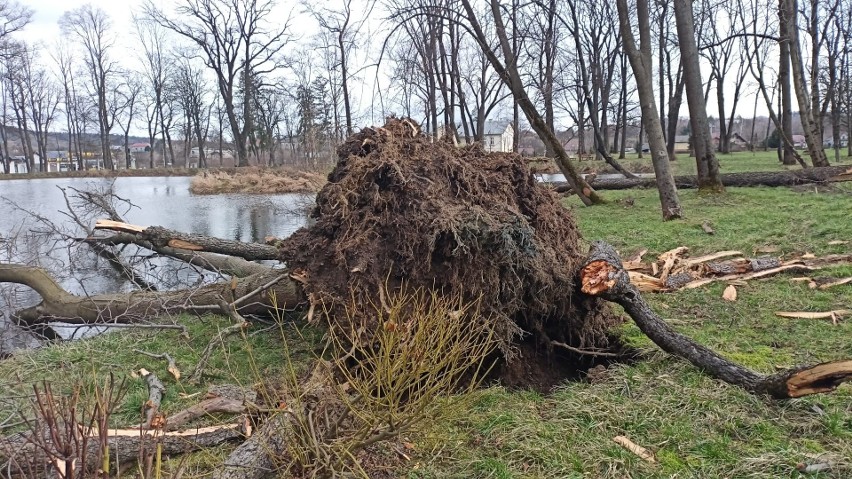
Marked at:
<point>140,173</point>
<point>255,180</point>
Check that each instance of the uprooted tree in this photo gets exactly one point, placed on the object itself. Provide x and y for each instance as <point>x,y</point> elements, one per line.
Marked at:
<point>401,211</point>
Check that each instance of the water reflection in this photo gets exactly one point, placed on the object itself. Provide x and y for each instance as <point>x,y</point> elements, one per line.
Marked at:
<point>164,201</point>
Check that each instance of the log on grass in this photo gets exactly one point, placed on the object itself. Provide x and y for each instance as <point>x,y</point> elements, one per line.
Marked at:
<point>755,178</point>
<point>603,275</point>
<point>60,305</point>
<point>20,456</point>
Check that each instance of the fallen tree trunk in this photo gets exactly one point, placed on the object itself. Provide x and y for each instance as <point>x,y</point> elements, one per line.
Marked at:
<point>159,236</point>
<point>217,263</point>
<point>752,178</point>
<point>603,275</point>
<point>20,456</point>
<point>60,305</point>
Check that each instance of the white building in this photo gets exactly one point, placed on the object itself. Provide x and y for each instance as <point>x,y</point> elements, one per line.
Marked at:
<point>498,135</point>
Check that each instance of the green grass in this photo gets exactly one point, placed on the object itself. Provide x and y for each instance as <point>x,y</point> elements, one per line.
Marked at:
<point>241,360</point>
<point>698,427</point>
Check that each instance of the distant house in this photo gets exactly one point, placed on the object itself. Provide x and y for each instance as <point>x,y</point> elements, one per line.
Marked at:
<point>799,142</point>
<point>140,147</point>
<point>497,136</point>
<point>829,142</point>
<point>18,164</point>
<point>681,144</point>
<point>58,161</point>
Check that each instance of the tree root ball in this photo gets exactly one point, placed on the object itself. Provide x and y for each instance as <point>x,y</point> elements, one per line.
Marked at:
<point>401,208</point>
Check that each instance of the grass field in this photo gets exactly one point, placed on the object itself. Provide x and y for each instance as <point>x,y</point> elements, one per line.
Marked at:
<point>696,426</point>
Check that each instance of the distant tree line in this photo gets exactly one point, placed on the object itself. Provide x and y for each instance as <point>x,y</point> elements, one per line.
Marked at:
<point>210,76</point>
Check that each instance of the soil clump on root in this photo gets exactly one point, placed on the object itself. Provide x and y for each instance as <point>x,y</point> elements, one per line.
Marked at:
<point>403,210</point>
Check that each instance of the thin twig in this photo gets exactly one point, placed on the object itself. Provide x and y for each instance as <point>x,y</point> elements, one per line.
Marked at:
<point>586,352</point>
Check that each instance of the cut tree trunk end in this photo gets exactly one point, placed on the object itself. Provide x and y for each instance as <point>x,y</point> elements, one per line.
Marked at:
<point>603,275</point>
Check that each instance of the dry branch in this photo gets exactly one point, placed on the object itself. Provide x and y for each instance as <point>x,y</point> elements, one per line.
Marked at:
<point>162,237</point>
<point>603,276</point>
<point>151,408</point>
<point>57,304</point>
<point>631,446</point>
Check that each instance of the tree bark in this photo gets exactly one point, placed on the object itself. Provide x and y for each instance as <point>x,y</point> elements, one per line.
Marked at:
<point>603,276</point>
<point>162,237</point>
<point>786,147</point>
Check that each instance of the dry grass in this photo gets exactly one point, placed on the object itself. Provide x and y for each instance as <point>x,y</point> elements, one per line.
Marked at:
<point>256,181</point>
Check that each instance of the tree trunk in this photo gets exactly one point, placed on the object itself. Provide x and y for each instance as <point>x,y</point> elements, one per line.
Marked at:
<point>707,165</point>
<point>26,459</point>
<point>806,111</point>
<point>640,62</point>
<point>511,77</point>
<point>786,146</point>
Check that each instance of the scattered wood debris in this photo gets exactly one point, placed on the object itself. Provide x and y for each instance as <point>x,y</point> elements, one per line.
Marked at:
<point>730,293</point>
<point>834,315</point>
<point>674,269</point>
<point>631,446</point>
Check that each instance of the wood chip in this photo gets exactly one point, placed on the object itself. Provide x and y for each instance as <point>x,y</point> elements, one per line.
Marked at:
<point>730,293</point>
<point>813,315</point>
<point>707,229</point>
<point>834,283</point>
<point>631,446</point>
<point>638,256</point>
<point>711,257</point>
<point>767,249</point>
<point>837,242</point>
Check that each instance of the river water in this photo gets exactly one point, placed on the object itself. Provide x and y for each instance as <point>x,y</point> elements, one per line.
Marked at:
<point>163,201</point>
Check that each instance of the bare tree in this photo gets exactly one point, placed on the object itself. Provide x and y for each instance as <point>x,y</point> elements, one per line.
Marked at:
<point>130,93</point>
<point>707,164</point>
<point>235,42</point>
<point>157,65</point>
<point>640,61</point>
<point>63,57</point>
<point>91,27</point>
<point>790,33</point>
<point>191,89</point>
<point>726,54</point>
<point>13,17</point>
<point>508,71</point>
<point>345,28</point>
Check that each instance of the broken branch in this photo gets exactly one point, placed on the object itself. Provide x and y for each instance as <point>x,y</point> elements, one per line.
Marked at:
<point>603,276</point>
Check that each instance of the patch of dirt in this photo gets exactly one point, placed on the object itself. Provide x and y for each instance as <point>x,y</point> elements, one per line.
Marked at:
<point>401,209</point>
